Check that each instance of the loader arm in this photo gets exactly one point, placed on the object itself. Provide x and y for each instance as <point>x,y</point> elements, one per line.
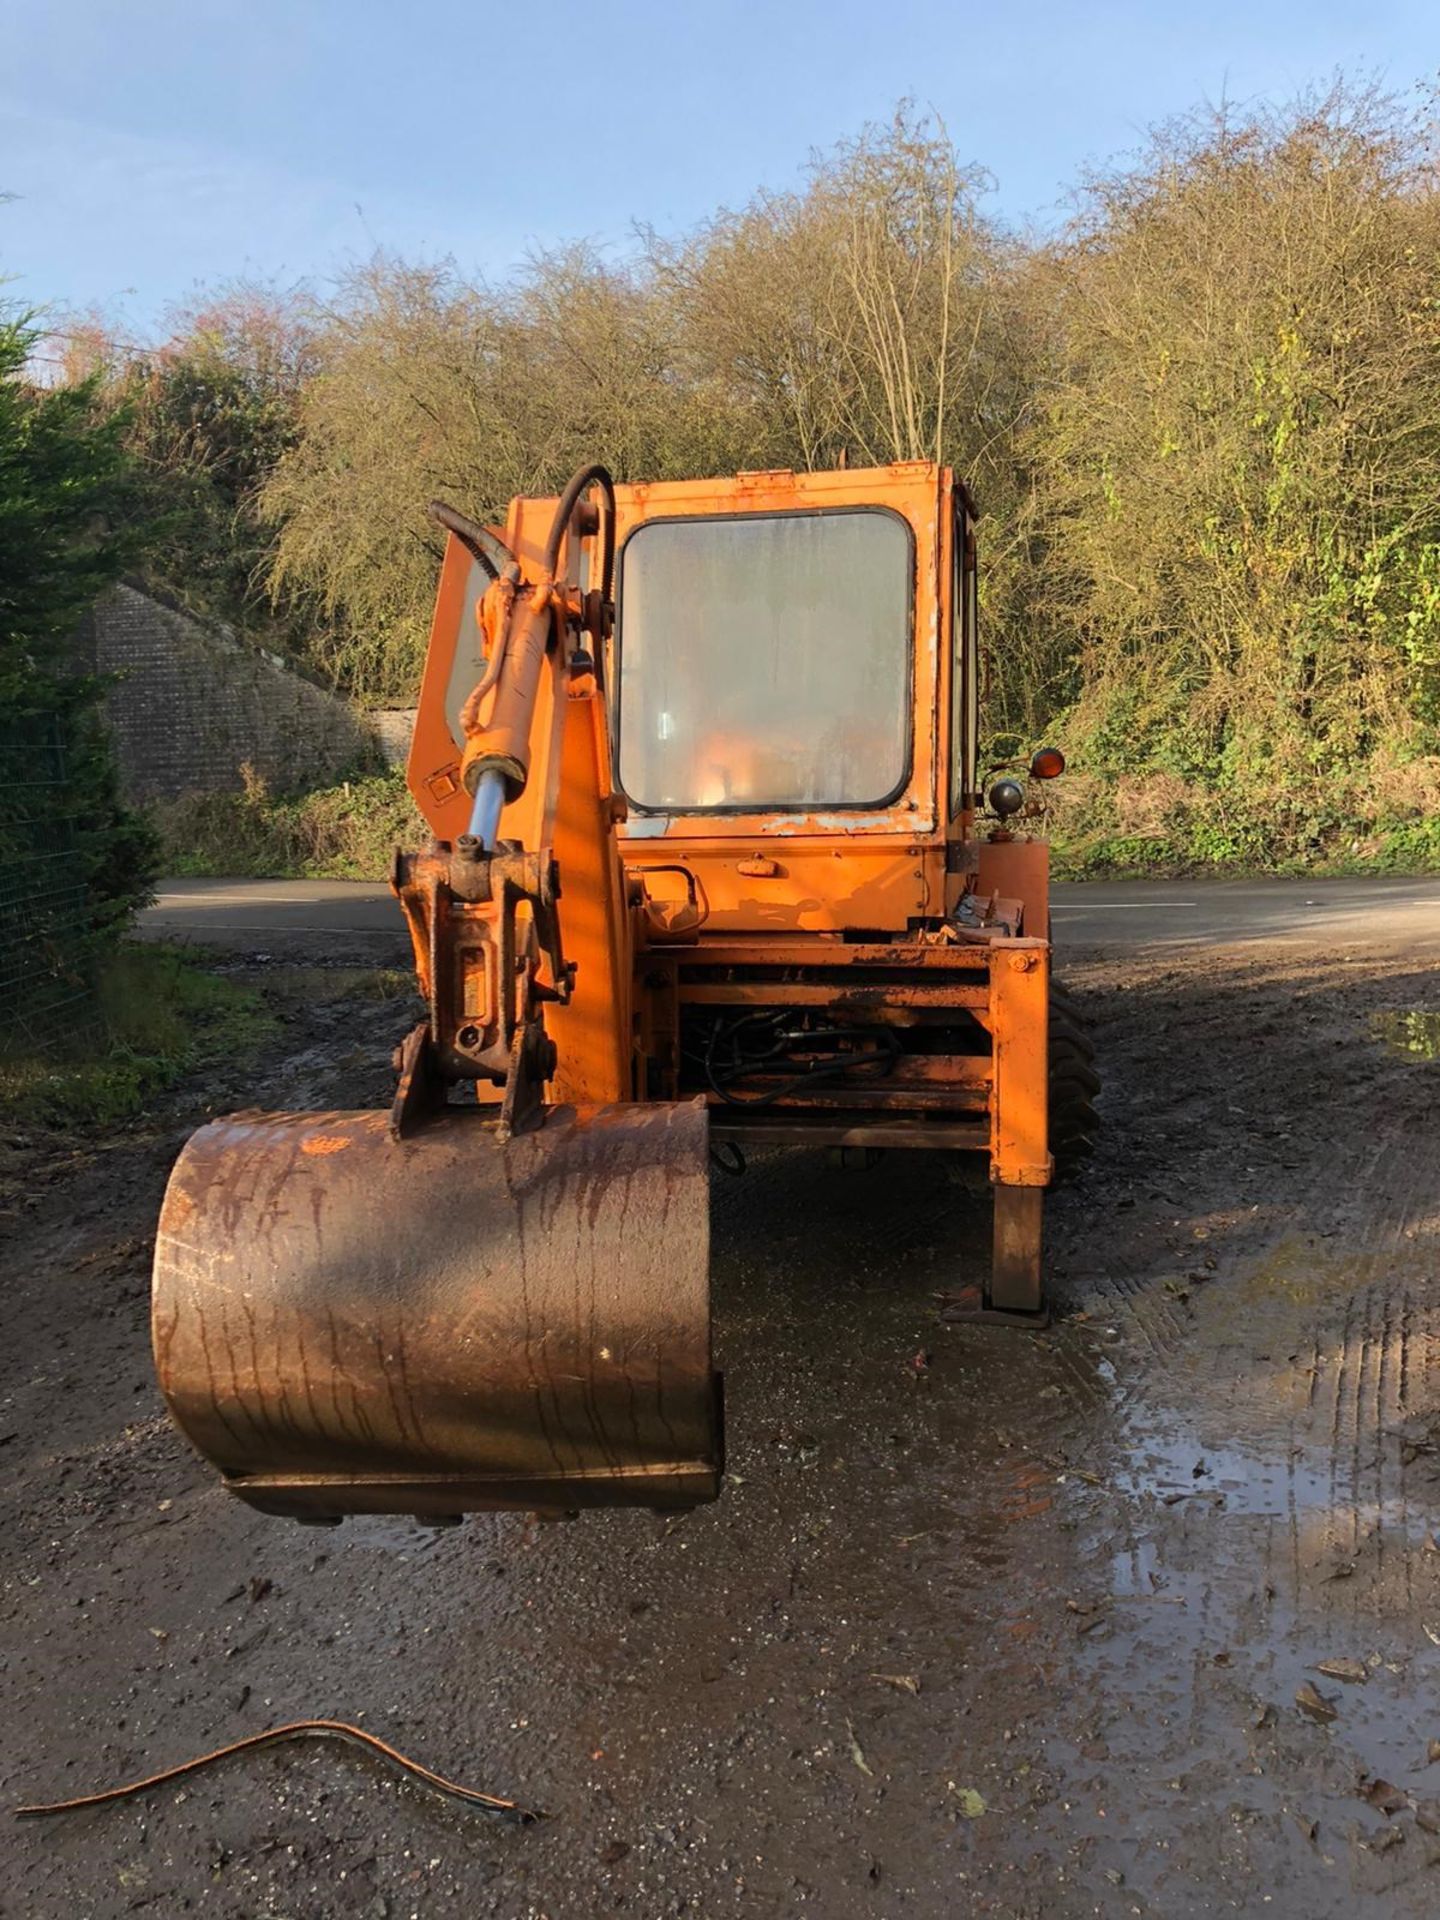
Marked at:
<point>497,1295</point>
<point>485,913</point>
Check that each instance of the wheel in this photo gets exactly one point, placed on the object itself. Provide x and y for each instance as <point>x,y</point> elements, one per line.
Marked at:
<point>1074,1084</point>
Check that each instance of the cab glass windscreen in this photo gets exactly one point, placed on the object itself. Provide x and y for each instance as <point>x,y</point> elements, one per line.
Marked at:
<point>765,661</point>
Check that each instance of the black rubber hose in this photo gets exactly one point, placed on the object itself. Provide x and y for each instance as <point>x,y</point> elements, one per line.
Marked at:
<point>744,1064</point>
<point>583,478</point>
<point>475,539</point>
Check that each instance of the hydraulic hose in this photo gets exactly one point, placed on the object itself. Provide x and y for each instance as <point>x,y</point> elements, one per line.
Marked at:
<point>585,477</point>
<point>488,553</point>
<point>497,756</point>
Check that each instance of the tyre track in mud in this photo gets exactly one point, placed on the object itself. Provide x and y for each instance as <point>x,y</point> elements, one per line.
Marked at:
<point>1297,1384</point>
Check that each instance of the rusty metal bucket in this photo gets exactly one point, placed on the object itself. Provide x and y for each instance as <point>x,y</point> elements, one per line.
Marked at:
<point>348,1323</point>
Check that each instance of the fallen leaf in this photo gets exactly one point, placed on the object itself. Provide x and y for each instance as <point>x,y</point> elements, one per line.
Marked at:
<point>902,1682</point>
<point>1431,1634</point>
<point>1384,1797</point>
<point>161,1633</point>
<point>857,1753</point>
<point>1432,1753</point>
<point>1427,1815</point>
<point>972,1804</point>
<point>1354,1671</point>
<point>614,1853</point>
<point>1310,1700</point>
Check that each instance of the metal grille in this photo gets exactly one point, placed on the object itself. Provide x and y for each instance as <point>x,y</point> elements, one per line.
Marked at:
<point>46,997</point>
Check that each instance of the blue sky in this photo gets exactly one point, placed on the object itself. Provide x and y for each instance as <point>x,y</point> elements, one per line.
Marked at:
<point>154,146</point>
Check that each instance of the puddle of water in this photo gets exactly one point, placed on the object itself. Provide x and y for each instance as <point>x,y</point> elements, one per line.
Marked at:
<point>1173,1467</point>
<point>391,1533</point>
<point>1178,1468</point>
<point>1412,1031</point>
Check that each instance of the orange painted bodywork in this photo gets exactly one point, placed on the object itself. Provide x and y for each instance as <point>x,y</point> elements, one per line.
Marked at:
<point>898,915</point>
<point>842,869</point>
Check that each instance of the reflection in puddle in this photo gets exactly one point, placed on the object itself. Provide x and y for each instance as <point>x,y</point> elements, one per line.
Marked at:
<point>1413,1031</point>
<point>1140,1572</point>
<point>1299,1485</point>
<point>393,1533</point>
<point>1178,1468</point>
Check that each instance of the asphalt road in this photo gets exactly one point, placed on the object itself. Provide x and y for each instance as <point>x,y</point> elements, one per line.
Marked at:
<point>249,912</point>
<point>1392,912</point>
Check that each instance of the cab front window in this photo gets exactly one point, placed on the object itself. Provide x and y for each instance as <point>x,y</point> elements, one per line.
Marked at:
<point>764,661</point>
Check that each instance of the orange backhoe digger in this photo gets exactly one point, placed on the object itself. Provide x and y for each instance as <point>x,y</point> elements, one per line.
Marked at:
<point>709,872</point>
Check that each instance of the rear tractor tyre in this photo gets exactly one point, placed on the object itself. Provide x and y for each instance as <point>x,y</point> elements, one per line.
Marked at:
<point>1074,1085</point>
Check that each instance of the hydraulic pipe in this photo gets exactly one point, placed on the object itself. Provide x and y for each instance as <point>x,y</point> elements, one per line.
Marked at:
<point>478,541</point>
<point>579,483</point>
<point>489,803</point>
<point>502,746</point>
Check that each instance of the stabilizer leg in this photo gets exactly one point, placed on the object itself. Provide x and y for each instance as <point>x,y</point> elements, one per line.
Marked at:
<point>1016,1286</point>
<point>1015,1294</point>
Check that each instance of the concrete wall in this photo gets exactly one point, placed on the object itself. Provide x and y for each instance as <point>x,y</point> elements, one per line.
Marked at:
<point>193,705</point>
<point>394,728</point>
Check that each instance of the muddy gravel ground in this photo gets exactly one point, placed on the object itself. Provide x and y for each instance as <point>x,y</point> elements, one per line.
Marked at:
<point>1140,1615</point>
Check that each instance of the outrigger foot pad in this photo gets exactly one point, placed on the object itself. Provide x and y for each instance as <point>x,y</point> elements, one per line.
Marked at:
<point>972,1307</point>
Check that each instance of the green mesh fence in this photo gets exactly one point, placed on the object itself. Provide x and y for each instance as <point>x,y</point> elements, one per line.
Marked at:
<point>45,988</point>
